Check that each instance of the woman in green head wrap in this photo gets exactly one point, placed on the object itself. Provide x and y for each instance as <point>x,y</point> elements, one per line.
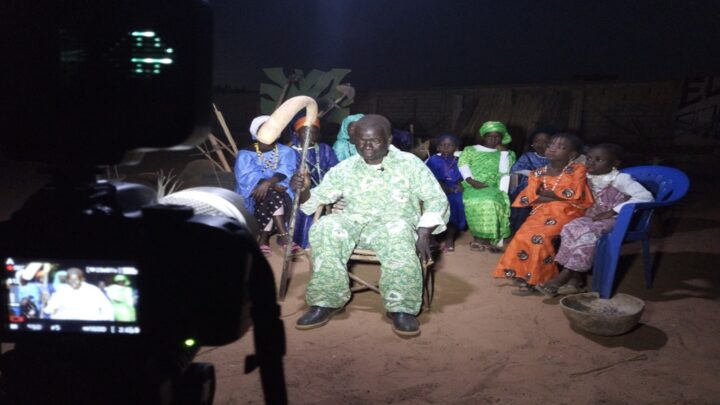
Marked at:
<point>342,147</point>
<point>486,171</point>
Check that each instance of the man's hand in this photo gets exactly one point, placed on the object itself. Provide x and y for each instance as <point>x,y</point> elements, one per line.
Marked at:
<point>475,183</point>
<point>261,190</point>
<point>604,215</point>
<point>423,244</point>
<point>300,182</point>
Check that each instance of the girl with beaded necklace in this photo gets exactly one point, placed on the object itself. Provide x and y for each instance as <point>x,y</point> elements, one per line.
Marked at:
<point>611,190</point>
<point>262,174</point>
<point>557,193</point>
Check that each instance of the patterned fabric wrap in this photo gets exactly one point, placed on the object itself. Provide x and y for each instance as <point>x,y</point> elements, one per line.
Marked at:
<point>446,172</point>
<point>487,209</point>
<point>530,255</point>
<point>265,209</point>
<point>342,146</point>
<point>249,171</point>
<point>382,213</point>
<point>580,236</point>
<point>528,161</point>
<point>496,126</point>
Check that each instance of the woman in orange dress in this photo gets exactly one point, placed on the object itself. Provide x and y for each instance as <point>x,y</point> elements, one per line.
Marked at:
<point>557,193</point>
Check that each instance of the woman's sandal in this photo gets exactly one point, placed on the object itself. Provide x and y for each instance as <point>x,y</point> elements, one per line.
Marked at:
<point>547,290</point>
<point>527,291</point>
<point>494,249</point>
<point>476,246</point>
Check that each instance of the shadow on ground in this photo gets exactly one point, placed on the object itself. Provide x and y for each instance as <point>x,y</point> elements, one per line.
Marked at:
<point>677,275</point>
<point>641,338</point>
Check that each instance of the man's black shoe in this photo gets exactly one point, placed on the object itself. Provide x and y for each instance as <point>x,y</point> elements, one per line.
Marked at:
<point>316,317</point>
<point>404,324</point>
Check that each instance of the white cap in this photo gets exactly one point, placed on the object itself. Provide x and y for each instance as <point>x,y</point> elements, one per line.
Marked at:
<point>256,123</point>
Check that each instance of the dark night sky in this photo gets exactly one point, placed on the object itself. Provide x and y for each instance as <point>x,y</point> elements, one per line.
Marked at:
<point>425,43</point>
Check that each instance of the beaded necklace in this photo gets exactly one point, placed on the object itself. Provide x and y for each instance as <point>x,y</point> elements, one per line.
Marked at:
<point>269,161</point>
<point>557,179</point>
<point>544,182</point>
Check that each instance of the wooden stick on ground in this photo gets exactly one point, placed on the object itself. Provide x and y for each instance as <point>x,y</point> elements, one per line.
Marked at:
<point>599,369</point>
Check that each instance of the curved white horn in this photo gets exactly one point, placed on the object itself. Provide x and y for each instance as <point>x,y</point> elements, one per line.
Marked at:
<point>270,131</point>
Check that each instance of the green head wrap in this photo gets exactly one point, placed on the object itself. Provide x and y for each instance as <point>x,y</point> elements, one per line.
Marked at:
<point>496,126</point>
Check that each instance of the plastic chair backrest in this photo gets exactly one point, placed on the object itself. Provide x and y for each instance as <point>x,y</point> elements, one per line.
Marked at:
<point>667,184</point>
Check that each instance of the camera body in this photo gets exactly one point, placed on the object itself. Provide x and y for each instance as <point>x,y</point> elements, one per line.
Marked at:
<point>118,279</point>
<point>186,275</point>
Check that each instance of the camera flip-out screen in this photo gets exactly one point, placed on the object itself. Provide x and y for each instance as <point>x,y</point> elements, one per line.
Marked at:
<point>71,296</point>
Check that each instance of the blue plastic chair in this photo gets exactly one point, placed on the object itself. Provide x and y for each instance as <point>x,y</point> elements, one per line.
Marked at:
<point>668,185</point>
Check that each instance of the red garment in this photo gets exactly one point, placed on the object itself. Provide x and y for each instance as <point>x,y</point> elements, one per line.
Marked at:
<point>530,254</point>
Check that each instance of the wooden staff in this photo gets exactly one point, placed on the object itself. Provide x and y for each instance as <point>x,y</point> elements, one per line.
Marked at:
<point>269,133</point>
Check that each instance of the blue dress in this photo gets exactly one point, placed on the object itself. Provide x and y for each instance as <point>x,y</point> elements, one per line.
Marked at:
<point>446,172</point>
<point>317,168</point>
<point>249,170</point>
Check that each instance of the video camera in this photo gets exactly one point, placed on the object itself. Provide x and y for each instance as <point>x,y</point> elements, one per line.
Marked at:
<point>108,295</point>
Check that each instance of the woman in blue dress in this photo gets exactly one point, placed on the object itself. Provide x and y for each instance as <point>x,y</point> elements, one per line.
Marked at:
<point>319,159</point>
<point>262,175</point>
<point>533,159</point>
<point>444,165</point>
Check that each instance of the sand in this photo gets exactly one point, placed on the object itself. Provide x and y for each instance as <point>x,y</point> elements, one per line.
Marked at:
<point>481,344</point>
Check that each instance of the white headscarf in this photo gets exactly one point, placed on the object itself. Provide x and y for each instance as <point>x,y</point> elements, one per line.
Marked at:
<point>256,123</point>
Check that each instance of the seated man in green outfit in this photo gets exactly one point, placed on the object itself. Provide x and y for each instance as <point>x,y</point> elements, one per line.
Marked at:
<point>383,188</point>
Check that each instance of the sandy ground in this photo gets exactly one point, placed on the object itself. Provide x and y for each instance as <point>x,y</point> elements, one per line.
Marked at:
<point>480,344</point>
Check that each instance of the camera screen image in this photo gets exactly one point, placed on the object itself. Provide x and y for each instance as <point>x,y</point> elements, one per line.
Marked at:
<point>71,296</point>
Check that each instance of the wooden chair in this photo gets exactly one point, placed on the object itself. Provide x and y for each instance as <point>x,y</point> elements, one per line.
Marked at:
<point>369,256</point>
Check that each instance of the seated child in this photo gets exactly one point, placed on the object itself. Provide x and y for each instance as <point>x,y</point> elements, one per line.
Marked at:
<point>444,166</point>
<point>611,190</point>
<point>557,193</point>
<point>531,160</point>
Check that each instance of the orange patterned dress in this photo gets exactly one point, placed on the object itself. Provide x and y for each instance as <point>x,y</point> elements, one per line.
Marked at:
<point>531,255</point>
